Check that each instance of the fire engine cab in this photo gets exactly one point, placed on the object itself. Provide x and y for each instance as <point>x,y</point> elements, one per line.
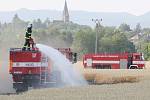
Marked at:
<point>33,68</point>
<point>114,61</point>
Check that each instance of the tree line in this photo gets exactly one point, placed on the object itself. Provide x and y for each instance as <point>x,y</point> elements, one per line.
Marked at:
<point>81,38</point>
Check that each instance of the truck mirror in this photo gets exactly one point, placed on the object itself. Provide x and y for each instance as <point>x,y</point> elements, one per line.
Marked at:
<point>74,57</point>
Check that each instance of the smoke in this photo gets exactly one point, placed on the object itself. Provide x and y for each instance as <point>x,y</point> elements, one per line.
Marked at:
<point>69,75</point>
<point>6,85</point>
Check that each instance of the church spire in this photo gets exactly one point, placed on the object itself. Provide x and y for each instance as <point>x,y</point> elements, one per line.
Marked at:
<point>65,13</point>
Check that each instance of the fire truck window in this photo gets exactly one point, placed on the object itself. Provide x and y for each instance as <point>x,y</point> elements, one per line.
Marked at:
<point>137,57</point>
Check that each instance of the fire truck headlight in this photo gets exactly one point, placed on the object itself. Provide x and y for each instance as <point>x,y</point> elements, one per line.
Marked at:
<point>89,62</point>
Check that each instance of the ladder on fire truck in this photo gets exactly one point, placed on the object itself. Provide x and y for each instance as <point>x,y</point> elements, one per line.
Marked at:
<point>43,71</point>
<point>43,75</point>
<point>45,79</point>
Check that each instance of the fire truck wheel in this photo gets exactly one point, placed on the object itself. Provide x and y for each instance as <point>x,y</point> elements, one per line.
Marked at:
<point>18,91</point>
<point>21,90</point>
<point>133,67</point>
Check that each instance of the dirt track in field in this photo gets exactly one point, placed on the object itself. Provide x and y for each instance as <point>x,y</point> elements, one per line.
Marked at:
<point>111,85</point>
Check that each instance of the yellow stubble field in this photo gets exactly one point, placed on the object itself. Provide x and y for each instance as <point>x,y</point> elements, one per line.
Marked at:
<point>109,85</point>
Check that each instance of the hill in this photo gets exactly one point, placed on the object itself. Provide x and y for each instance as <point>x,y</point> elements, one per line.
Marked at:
<point>80,17</point>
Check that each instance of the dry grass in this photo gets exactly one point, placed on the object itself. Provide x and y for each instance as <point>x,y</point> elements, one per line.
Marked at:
<point>114,80</point>
<point>138,90</point>
<point>126,91</point>
<point>114,76</point>
<point>106,79</point>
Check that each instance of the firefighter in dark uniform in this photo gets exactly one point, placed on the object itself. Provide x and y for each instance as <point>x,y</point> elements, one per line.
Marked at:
<point>27,38</point>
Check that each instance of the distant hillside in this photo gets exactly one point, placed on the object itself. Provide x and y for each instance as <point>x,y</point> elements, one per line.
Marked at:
<point>80,17</point>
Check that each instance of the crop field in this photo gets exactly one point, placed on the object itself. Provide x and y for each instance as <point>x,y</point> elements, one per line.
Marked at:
<point>108,85</point>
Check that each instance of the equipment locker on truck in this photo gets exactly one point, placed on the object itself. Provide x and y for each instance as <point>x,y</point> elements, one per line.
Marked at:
<point>114,61</point>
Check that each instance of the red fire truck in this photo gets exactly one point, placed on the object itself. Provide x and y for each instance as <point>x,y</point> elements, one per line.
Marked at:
<point>33,68</point>
<point>114,61</point>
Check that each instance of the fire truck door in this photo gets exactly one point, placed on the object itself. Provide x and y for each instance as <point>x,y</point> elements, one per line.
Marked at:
<point>123,63</point>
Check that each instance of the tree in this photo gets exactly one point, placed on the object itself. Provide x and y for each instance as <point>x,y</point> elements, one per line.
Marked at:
<point>124,27</point>
<point>17,24</point>
<point>67,37</point>
<point>138,28</point>
<point>39,24</point>
<point>84,42</point>
<point>122,44</point>
<point>47,22</point>
<point>115,43</point>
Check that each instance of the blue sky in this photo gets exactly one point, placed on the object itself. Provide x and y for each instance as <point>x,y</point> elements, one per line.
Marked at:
<point>136,7</point>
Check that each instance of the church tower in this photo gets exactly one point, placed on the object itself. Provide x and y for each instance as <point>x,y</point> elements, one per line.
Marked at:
<point>65,13</point>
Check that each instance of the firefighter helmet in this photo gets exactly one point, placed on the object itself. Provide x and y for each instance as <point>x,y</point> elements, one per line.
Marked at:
<point>29,25</point>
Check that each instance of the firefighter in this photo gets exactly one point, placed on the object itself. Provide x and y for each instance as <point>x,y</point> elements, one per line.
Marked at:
<point>27,38</point>
<point>32,44</point>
